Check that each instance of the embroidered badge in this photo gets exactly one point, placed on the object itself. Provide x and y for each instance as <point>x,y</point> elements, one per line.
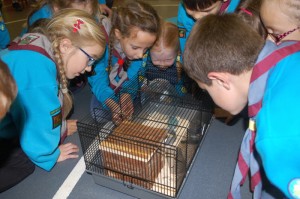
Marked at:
<point>141,78</point>
<point>182,32</point>
<point>2,26</point>
<point>183,89</point>
<point>29,39</point>
<point>56,117</point>
<point>294,188</point>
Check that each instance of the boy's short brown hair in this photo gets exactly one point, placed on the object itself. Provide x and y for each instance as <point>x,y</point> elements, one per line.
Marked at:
<point>220,43</point>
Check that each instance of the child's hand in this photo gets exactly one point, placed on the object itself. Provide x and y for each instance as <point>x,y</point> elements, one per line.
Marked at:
<point>126,106</point>
<point>115,111</point>
<point>105,10</point>
<point>71,127</point>
<point>66,152</point>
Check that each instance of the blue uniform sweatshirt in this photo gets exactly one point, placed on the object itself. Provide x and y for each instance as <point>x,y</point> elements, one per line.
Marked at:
<point>278,126</point>
<point>38,106</point>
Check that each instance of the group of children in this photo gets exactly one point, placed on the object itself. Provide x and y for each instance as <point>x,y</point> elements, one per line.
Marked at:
<point>236,65</point>
<point>247,57</point>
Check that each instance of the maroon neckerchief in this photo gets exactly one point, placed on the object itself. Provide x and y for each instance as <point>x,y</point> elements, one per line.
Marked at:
<point>224,6</point>
<point>246,159</point>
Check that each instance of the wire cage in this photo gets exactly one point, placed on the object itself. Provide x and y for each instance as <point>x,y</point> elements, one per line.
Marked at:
<point>146,142</point>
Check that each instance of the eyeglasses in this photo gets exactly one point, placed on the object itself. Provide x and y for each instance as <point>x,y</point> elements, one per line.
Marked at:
<point>278,37</point>
<point>91,59</point>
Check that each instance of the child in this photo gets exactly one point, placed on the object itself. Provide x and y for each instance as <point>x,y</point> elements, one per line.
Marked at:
<point>69,126</point>
<point>164,59</point>
<point>282,21</point>
<point>132,31</point>
<point>14,164</point>
<point>73,43</point>
<point>48,8</point>
<point>4,34</point>
<point>272,96</point>
<point>8,90</point>
<point>249,11</point>
<point>191,10</point>
<point>224,71</point>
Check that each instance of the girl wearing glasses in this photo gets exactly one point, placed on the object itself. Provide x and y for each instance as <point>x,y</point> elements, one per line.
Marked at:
<point>133,29</point>
<point>46,10</point>
<point>42,65</point>
<point>278,137</point>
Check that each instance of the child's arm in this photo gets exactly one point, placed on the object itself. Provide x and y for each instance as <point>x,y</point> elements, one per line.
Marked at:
<point>99,81</point>
<point>4,34</point>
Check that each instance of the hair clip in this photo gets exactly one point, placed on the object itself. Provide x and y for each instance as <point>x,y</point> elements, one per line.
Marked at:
<point>246,11</point>
<point>76,26</point>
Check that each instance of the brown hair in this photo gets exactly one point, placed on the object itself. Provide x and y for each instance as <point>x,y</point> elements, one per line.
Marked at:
<point>61,27</point>
<point>8,89</point>
<point>133,14</point>
<point>196,5</point>
<point>220,43</point>
<point>249,11</point>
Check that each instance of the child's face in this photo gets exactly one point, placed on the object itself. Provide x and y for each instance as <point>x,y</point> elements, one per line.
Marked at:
<point>136,44</point>
<point>230,92</point>
<point>278,23</point>
<point>76,59</point>
<point>199,14</point>
<point>163,58</point>
<point>85,6</point>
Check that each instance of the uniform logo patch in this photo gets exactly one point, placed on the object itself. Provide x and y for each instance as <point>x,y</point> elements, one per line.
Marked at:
<point>56,117</point>
<point>294,188</point>
<point>29,39</point>
<point>2,25</point>
<point>182,32</point>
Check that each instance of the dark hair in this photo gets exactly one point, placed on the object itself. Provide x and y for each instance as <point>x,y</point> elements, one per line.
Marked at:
<point>8,89</point>
<point>249,11</point>
<point>220,43</point>
<point>196,5</point>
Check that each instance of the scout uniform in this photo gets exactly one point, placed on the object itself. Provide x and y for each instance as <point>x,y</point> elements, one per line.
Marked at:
<point>31,64</point>
<point>273,97</point>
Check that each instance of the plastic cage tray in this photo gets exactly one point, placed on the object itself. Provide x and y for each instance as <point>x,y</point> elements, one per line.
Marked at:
<point>148,155</point>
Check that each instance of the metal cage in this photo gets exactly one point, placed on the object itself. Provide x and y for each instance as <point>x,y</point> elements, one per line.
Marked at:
<point>151,150</point>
